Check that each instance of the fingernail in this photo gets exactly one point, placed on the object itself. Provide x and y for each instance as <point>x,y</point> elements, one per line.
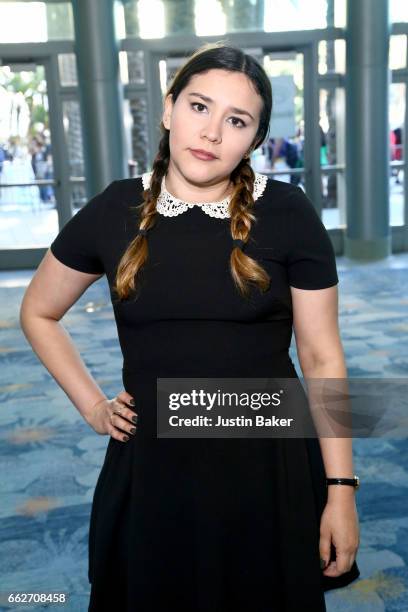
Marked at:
<point>132,402</point>
<point>125,438</point>
<point>322,563</point>
<point>134,418</point>
<point>133,430</point>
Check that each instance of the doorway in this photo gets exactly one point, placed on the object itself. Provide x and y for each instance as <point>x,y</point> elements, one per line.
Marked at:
<point>28,206</point>
<point>35,184</point>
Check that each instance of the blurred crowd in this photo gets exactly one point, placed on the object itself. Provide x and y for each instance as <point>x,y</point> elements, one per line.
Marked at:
<point>24,160</point>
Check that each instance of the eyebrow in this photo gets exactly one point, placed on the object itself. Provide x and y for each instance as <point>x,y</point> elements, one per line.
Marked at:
<point>234,109</point>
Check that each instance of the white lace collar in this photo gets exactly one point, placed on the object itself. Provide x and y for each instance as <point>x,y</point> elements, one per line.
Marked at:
<point>170,206</point>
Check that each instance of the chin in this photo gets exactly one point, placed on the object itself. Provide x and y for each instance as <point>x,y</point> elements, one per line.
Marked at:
<point>195,172</point>
<point>197,178</point>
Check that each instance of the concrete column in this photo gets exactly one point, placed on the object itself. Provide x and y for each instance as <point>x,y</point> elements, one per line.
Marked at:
<point>101,93</point>
<point>368,234</point>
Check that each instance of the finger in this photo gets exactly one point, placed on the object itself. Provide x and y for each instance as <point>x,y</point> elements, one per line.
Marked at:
<point>331,570</point>
<point>343,561</point>
<point>121,423</point>
<point>324,548</point>
<point>125,397</point>
<point>125,412</point>
<point>118,435</point>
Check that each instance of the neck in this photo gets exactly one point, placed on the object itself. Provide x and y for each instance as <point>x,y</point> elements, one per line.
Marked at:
<point>189,191</point>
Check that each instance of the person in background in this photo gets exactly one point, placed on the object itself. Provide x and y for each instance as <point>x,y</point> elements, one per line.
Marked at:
<point>396,151</point>
<point>5,155</point>
<point>288,150</point>
<point>40,153</point>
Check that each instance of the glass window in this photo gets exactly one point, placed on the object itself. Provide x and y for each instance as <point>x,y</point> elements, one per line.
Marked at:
<point>340,13</point>
<point>332,56</point>
<point>67,69</point>
<point>132,69</point>
<point>28,215</point>
<point>60,21</point>
<point>397,183</point>
<point>35,21</point>
<point>159,18</point>
<point>398,52</point>
<point>136,134</point>
<point>398,11</point>
<point>332,153</point>
<point>73,135</point>
<point>282,15</point>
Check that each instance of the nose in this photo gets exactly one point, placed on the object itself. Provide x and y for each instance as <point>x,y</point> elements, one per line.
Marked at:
<point>212,130</point>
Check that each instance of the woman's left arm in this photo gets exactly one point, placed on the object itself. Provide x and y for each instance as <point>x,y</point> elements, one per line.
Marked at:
<point>320,352</point>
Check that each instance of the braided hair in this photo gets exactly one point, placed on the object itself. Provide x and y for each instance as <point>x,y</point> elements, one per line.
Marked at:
<point>244,269</point>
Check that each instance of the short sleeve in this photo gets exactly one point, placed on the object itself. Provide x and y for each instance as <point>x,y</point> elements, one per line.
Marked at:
<point>78,244</point>
<point>311,259</point>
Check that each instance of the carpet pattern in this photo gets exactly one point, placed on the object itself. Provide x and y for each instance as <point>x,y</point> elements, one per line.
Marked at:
<point>50,458</point>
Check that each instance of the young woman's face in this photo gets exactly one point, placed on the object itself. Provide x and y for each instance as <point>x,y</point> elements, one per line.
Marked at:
<point>218,112</point>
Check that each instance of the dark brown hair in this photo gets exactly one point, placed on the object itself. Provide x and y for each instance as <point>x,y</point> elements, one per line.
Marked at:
<point>244,269</point>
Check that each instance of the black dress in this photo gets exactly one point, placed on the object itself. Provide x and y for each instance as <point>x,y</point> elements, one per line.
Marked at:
<point>205,524</point>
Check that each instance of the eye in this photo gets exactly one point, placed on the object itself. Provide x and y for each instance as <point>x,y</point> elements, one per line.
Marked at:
<point>197,104</point>
<point>243,124</point>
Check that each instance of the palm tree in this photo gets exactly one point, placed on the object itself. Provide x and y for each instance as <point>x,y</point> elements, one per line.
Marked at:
<point>32,89</point>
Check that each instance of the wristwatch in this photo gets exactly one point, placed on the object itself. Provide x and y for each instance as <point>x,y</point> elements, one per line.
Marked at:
<point>354,482</point>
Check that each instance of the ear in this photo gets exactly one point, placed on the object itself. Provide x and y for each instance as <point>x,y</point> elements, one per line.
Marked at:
<point>167,110</point>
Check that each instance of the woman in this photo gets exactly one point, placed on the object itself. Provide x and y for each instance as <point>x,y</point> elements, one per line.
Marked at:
<point>208,265</point>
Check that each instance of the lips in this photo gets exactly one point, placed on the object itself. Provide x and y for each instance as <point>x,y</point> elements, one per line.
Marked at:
<point>204,155</point>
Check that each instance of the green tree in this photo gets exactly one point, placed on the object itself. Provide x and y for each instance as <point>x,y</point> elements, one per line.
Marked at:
<point>33,89</point>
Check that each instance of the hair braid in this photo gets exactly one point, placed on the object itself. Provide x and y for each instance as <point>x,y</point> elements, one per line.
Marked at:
<point>137,252</point>
<point>244,269</point>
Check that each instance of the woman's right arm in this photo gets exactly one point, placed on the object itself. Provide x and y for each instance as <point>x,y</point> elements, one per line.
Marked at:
<point>52,291</point>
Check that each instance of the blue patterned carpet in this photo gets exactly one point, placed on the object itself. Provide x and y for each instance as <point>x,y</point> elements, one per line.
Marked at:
<point>50,458</point>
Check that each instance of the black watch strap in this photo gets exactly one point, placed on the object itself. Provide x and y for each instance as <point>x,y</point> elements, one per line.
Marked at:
<point>354,482</point>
